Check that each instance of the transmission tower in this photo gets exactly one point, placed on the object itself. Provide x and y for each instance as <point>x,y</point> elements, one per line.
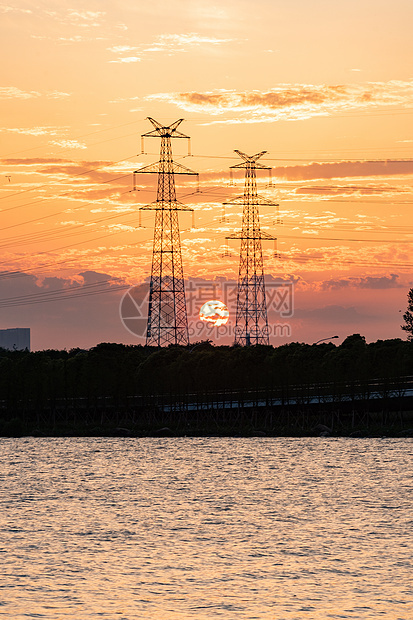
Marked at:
<point>167,318</point>
<point>251,316</point>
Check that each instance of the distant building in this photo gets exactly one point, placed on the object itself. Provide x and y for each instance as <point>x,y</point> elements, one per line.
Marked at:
<point>17,339</point>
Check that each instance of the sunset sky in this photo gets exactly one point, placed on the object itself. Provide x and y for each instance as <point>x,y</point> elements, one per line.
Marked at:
<point>325,87</point>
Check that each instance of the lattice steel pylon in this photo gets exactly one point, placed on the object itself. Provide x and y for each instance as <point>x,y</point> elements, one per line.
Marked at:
<point>251,314</point>
<point>167,317</point>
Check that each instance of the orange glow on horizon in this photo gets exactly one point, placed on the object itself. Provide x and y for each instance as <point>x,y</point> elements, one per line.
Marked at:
<point>333,114</point>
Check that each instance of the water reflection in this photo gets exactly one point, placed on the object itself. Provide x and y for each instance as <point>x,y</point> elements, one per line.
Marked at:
<point>206,528</point>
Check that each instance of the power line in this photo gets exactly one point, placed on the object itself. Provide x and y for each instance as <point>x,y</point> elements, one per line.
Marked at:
<point>46,144</point>
<point>14,274</point>
<point>359,263</point>
<point>31,302</point>
<point>45,296</point>
<point>348,239</point>
<point>297,237</point>
<point>307,160</point>
<point>31,237</point>
<point>47,293</point>
<point>37,187</point>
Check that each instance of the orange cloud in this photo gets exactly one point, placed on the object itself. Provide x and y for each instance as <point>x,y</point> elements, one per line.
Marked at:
<point>292,101</point>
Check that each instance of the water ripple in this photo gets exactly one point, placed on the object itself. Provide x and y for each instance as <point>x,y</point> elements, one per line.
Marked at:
<point>204,528</point>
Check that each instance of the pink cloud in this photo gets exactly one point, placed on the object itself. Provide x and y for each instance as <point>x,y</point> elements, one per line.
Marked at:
<point>371,282</point>
<point>344,169</point>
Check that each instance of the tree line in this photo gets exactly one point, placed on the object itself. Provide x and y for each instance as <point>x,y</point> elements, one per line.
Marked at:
<point>118,370</point>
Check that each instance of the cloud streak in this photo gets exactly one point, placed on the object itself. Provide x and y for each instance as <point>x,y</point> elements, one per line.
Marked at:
<point>165,43</point>
<point>33,131</point>
<point>68,144</point>
<point>12,92</point>
<point>13,9</point>
<point>292,101</point>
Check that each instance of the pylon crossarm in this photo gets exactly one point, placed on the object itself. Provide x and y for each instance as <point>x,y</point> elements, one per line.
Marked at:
<point>164,131</point>
<point>150,168</point>
<point>175,125</point>
<point>166,206</point>
<point>259,235</point>
<point>249,159</point>
<point>257,200</point>
<point>181,169</point>
<point>267,236</point>
<point>159,167</point>
<point>252,166</point>
<point>155,123</point>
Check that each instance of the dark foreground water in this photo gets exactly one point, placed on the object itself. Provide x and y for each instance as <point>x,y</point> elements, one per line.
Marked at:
<point>206,528</point>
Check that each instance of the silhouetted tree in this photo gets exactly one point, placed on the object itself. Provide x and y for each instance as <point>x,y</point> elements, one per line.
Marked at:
<point>408,316</point>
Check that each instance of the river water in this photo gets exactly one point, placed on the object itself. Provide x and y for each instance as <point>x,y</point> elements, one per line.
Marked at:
<point>198,528</point>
